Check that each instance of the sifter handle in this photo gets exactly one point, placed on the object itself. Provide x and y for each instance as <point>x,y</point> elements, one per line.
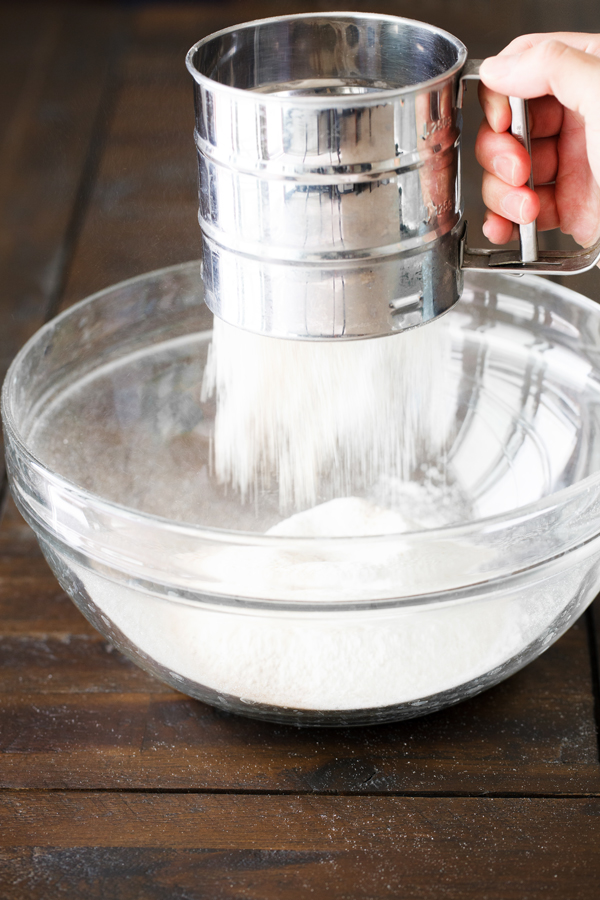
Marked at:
<point>520,129</point>
<point>530,258</point>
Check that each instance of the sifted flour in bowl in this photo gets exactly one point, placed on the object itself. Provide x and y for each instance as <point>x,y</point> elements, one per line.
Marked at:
<point>336,660</point>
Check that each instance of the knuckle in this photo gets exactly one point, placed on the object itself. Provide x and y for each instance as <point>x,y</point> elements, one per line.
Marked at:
<point>594,45</point>
<point>552,50</point>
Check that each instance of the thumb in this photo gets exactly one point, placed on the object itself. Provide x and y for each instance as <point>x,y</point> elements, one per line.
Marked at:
<point>555,68</point>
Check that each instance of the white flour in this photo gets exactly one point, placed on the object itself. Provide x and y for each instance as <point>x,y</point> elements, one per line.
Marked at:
<point>324,419</point>
<point>320,420</point>
<point>336,660</point>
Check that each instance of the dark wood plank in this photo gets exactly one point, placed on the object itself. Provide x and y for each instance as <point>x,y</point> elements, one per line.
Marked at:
<point>71,663</point>
<point>17,540</point>
<point>46,149</point>
<point>32,605</point>
<point>70,845</point>
<point>60,724</point>
<point>211,768</point>
<point>594,632</point>
<point>143,213</point>
<point>27,34</point>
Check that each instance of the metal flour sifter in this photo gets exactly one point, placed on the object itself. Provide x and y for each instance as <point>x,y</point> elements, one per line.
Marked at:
<point>330,195</point>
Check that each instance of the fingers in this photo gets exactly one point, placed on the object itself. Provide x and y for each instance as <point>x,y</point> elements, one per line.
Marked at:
<point>504,156</point>
<point>495,108</point>
<point>521,205</point>
<point>499,230</point>
<point>589,43</point>
<point>545,116</point>
<point>528,66</point>
<point>495,103</point>
<point>503,190</point>
<point>545,113</point>
<point>550,67</point>
<point>544,152</point>
<point>560,75</point>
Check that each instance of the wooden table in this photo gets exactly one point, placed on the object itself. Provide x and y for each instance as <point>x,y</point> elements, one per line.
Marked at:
<point>114,786</point>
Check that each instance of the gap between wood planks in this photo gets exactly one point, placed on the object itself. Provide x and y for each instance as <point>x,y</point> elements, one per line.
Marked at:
<point>278,792</point>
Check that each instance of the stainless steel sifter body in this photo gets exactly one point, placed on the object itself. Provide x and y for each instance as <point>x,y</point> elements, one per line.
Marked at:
<point>329,160</point>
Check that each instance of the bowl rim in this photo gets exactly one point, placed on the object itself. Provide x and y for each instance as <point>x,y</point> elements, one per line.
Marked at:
<point>485,525</point>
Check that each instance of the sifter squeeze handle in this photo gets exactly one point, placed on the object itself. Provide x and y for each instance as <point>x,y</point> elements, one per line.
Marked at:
<point>520,129</point>
<point>529,258</point>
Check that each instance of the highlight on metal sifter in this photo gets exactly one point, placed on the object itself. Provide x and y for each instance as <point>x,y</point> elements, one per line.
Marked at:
<point>329,160</point>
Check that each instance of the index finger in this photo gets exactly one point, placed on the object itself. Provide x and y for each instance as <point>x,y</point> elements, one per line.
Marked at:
<point>545,113</point>
<point>589,43</point>
<point>496,106</point>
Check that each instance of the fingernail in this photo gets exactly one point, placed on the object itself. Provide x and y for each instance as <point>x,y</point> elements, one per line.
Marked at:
<point>513,205</point>
<point>486,229</point>
<point>497,66</point>
<point>504,167</point>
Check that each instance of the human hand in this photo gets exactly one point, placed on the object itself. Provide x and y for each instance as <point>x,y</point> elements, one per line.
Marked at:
<point>560,75</point>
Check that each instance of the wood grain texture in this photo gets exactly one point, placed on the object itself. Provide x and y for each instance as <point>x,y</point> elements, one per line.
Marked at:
<point>232,846</point>
<point>113,785</point>
<point>25,33</point>
<point>143,213</point>
<point>17,541</point>
<point>47,137</point>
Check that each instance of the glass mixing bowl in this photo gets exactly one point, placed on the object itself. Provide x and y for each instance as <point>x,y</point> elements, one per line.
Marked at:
<point>108,446</point>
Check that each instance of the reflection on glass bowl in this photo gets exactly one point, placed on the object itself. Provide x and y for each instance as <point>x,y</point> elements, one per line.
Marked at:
<point>109,455</point>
